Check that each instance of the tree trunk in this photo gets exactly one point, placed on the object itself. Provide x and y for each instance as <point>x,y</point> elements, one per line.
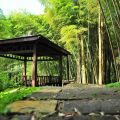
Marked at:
<point>81,77</point>
<point>78,62</point>
<point>83,61</point>
<point>78,69</point>
<point>101,49</point>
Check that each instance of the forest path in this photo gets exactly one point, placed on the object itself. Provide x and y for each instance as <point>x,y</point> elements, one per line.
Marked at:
<point>86,102</point>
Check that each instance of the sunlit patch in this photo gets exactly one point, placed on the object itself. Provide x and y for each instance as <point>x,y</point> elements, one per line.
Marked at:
<point>7,92</point>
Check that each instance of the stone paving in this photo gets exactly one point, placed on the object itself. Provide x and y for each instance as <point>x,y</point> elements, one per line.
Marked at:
<point>68,103</point>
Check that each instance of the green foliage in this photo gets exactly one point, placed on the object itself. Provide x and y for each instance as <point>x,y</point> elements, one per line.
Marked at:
<point>10,95</point>
<point>111,13</point>
<point>62,22</point>
<point>17,25</point>
<point>9,68</point>
<point>22,24</point>
<point>69,37</point>
<point>113,85</point>
<point>5,31</point>
<point>4,83</point>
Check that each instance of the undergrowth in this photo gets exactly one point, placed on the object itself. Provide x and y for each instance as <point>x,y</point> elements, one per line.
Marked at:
<point>10,95</point>
<point>113,85</point>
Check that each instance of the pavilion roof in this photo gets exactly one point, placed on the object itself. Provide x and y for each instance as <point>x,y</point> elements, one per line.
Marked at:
<point>23,46</point>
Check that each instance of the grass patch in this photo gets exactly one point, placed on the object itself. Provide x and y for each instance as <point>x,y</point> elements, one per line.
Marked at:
<point>10,95</point>
<point>113,85</point>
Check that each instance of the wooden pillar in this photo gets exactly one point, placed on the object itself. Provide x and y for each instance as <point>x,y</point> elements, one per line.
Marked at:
<point>68,68</point>
<point>24,71</point>
<point>34,67</point>
<point>60,71</point>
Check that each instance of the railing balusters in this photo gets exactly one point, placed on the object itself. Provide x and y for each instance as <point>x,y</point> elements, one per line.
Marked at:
<point>42,80</point>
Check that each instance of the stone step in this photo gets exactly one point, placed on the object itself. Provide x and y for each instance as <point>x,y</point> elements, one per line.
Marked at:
<point>27,106</point>
<point>56,117</point>
<point>89,93</point>
<point>88,117</point>
<point>111,106</point>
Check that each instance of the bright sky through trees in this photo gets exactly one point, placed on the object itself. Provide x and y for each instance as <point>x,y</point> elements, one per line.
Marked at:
<point>32,6</point>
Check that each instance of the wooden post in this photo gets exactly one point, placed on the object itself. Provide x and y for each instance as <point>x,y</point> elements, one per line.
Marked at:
<point>24,71</point>
<point>34,67</point>
<point>68,68</point>
<point>60,71</point>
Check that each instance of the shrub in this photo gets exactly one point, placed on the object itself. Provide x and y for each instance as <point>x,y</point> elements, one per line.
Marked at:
<point>3,81</point>
<point>113,85</point>
<point>10,95</point>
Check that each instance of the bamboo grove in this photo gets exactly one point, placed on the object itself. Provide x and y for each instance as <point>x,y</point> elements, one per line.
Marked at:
<point>89,29</point>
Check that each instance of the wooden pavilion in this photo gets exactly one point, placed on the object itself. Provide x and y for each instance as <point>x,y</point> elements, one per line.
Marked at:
<point>35,48</point>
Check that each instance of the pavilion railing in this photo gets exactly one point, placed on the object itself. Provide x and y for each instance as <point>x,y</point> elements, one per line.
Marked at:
<point>42,80</point>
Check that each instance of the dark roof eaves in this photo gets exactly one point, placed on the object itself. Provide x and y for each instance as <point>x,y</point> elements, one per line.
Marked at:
<point>36,38</point>
<point>56,46</point>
